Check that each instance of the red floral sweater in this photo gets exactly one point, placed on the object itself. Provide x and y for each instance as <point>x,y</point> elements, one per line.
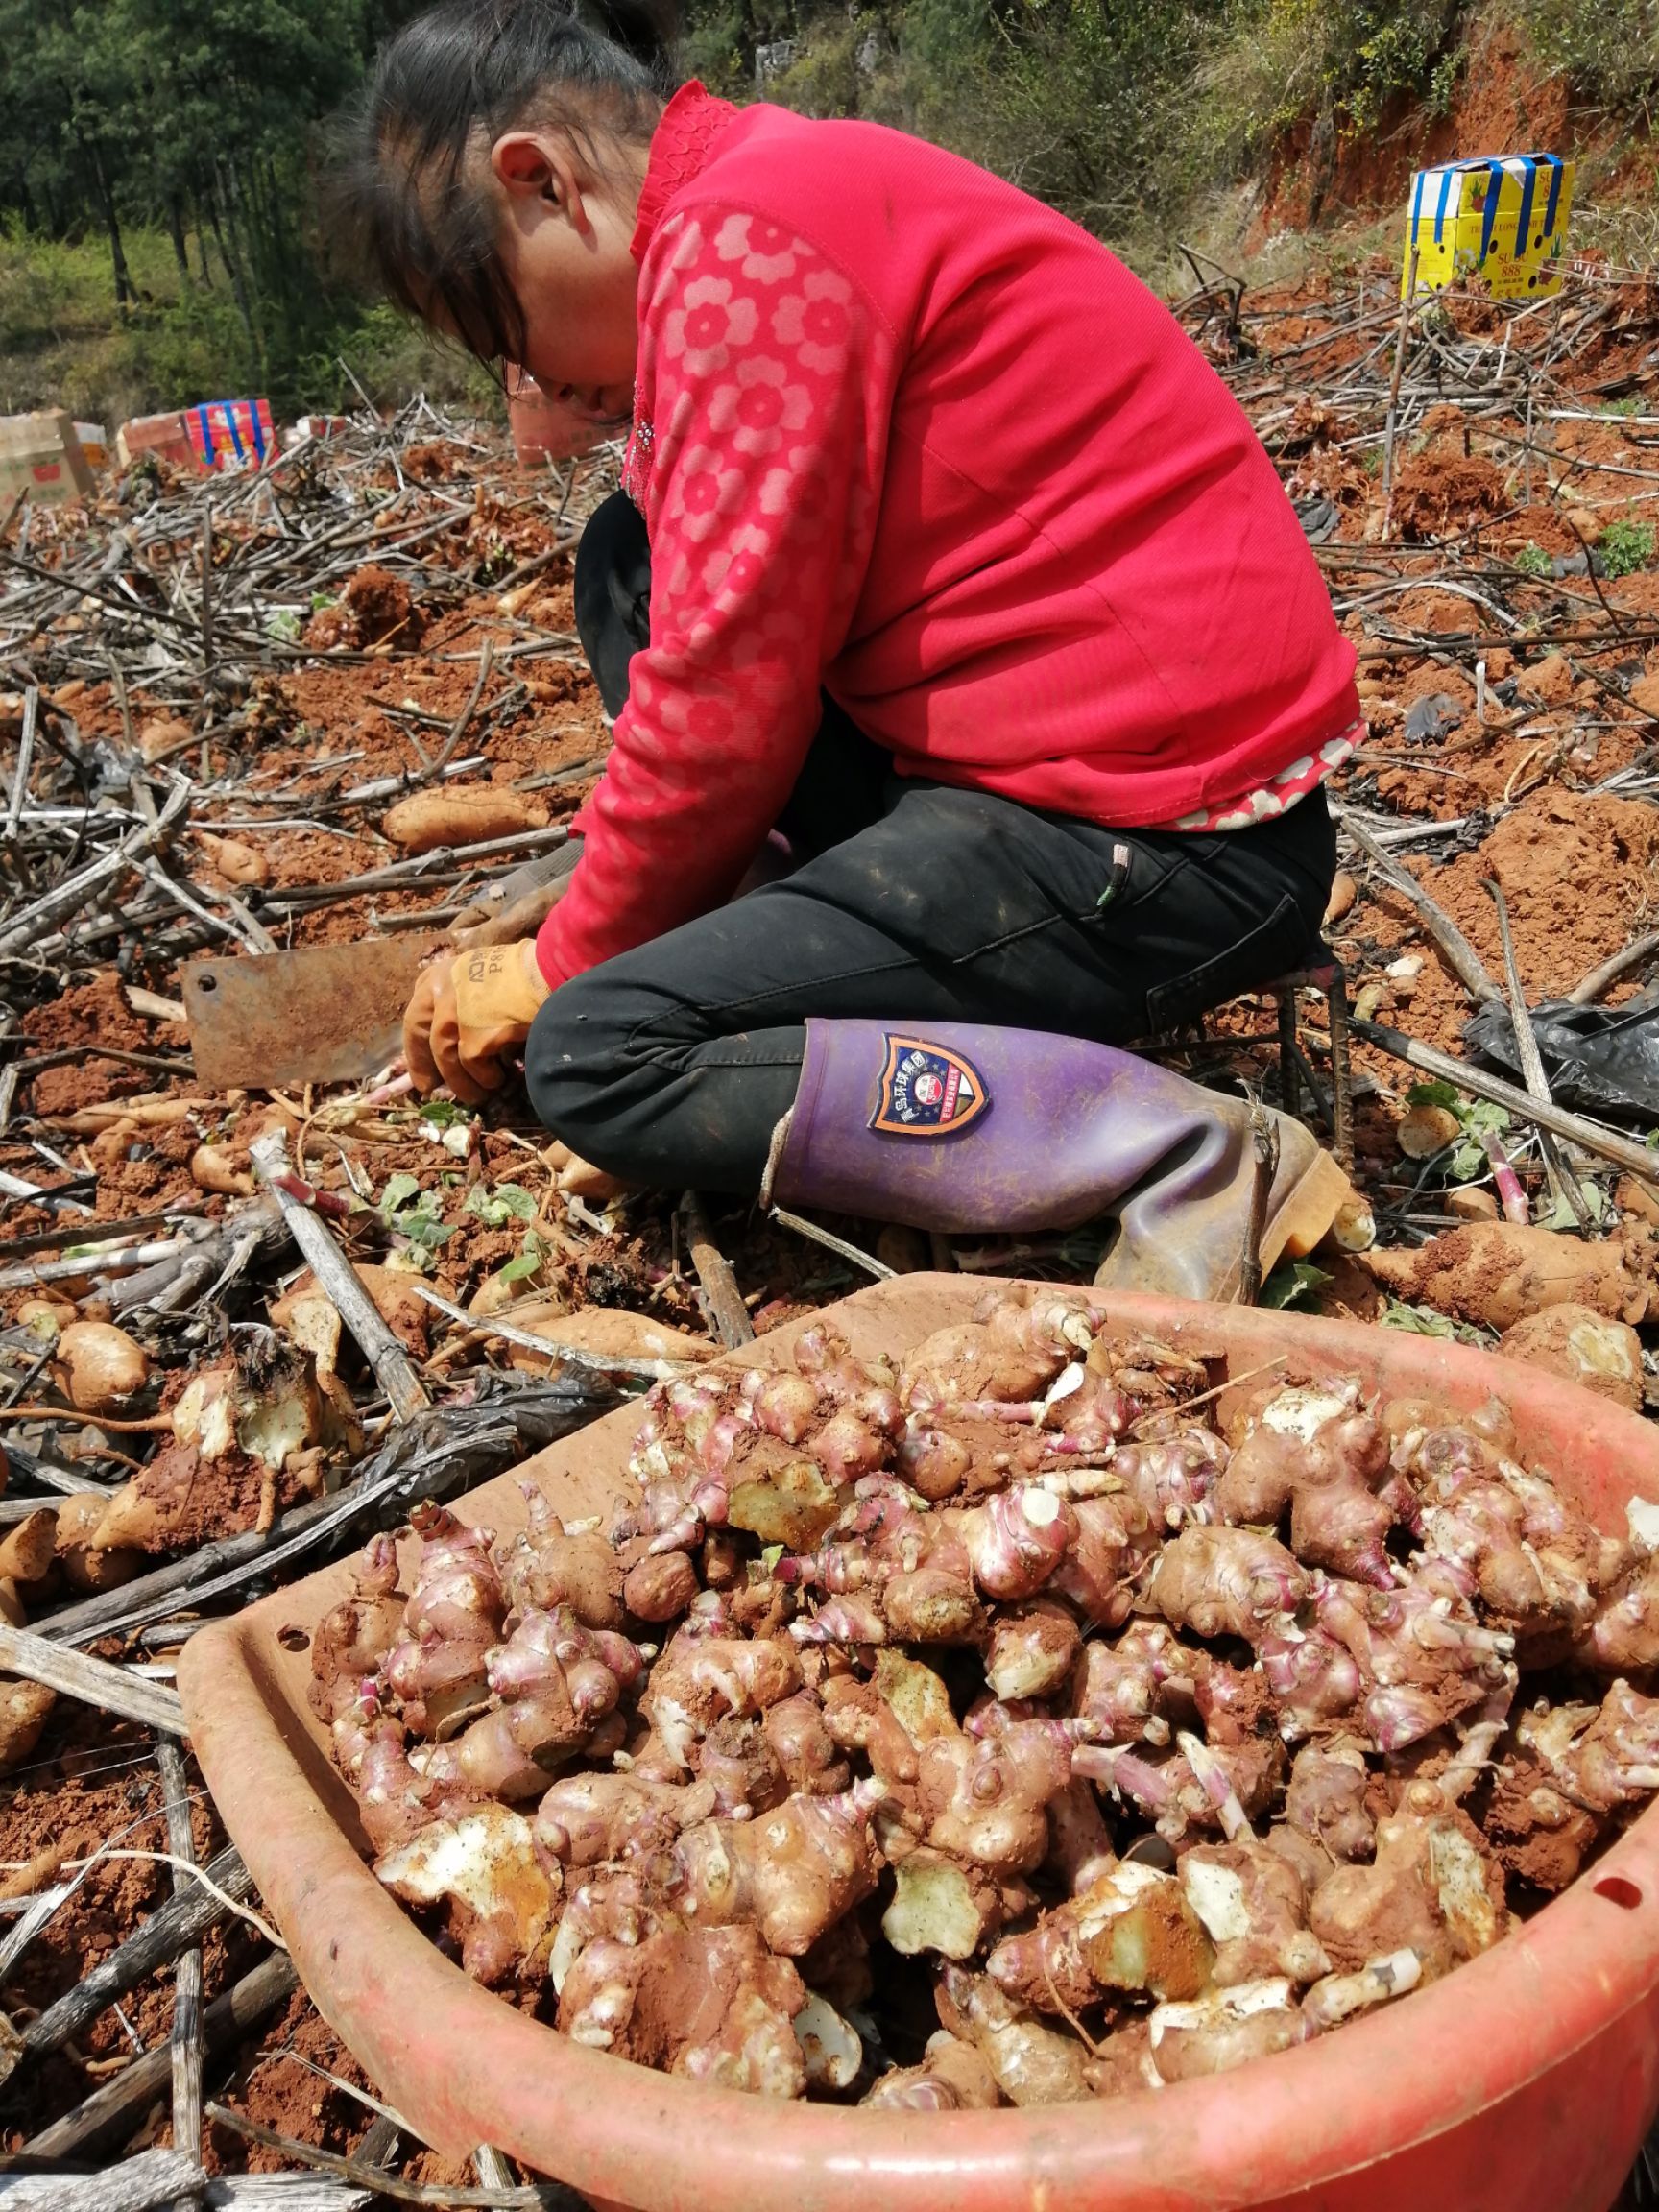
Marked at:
<point>902,432</point>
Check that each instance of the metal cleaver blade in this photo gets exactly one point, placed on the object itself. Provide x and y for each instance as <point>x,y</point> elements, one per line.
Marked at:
<point>328,1014</point>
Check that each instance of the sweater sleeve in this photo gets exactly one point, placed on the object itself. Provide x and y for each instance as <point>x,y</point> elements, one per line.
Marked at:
<point>769,384</point>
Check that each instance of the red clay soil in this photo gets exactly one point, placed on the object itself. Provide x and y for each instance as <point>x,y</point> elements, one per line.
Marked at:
<point>94,1013</point>
<point>1578,875</point>
<point>1438,496</point>
<point>90,1784</point>
<point>1499,105</point>
<point>283,2084</point>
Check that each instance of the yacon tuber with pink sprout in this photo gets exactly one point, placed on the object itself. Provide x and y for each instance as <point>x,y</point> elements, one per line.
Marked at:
<point>1032,1718</point>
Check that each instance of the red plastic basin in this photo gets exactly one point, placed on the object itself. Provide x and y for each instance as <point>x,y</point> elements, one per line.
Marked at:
<point>1524,2083</point>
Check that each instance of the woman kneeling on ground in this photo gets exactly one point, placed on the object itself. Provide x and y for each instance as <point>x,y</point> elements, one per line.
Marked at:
<point>947,573</point>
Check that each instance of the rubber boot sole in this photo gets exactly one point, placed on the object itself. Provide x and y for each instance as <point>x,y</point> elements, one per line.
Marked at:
<point>1304,1212</point>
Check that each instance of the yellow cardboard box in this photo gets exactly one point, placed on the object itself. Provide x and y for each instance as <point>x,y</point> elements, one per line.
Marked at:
<point>1501,217</point>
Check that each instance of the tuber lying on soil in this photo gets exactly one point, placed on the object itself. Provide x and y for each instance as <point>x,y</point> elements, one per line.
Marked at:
<point>1496,1273</point>
<point>1022,1723</point>
<point>101,1369</point>
<point>461,814</point>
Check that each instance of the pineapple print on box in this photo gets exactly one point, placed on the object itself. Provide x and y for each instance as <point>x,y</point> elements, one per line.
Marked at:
<point>1501,217</point>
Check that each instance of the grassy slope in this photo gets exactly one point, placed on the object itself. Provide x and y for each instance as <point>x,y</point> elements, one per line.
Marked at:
<point>62,345</point>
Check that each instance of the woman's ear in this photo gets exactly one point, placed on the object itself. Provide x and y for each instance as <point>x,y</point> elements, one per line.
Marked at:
<point>536,165</point>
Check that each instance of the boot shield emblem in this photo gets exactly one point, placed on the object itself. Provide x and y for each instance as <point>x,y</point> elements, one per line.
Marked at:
<point>927,1090</point>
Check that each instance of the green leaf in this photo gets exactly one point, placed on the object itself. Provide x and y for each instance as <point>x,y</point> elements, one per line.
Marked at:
<point>1416,1320</point>
<point>1467,1159</point>
<point>1424,1321</point>
<point>423,1230</point>
<point>527,1264</point>
<point>1295,1285</point>
<point>507,1202</point>
<point>1626,546</point>
<point>1562,1216</point>
<point>1480,1115</point>
<point>398,1191</point>
<point>443,1112</point>
<point>1467,1162</point>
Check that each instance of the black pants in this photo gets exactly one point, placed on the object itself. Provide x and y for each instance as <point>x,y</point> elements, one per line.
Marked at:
<point>672,1064</point>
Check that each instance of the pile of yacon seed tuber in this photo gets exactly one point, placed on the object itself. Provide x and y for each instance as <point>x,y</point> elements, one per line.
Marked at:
<point>1039,1719</point>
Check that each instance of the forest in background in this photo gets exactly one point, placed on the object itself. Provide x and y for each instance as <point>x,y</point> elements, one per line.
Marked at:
<point>160,160</point>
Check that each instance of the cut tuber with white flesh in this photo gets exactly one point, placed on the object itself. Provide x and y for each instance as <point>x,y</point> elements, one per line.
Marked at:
<point>1212,2034</point>
<point>1033,1649</point>
<point>1432,1889</point>
<point>1338,1997</point>
<point>1031,2063</point>
<point>1253,1905</point>
<point>830,2046</point>
<point>484,1867</point>
<point>1134,1929</point>
<point>945,1906</point>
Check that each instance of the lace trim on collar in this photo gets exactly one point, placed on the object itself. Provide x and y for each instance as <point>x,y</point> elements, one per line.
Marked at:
<point>690,123</point>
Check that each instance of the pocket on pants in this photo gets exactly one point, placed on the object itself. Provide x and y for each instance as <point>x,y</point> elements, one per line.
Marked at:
<point>1262,953</point>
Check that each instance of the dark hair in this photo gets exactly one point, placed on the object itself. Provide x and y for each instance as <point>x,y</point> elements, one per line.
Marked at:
<point>444,88</point>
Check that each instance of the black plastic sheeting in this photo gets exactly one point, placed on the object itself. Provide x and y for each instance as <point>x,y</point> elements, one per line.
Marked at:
<point>1597,1060</point>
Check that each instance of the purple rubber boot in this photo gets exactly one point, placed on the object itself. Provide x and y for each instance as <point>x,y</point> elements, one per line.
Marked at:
<point>955,1127</point>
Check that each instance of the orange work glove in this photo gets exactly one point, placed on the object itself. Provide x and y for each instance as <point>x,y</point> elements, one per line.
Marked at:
<point>468,1016</point>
